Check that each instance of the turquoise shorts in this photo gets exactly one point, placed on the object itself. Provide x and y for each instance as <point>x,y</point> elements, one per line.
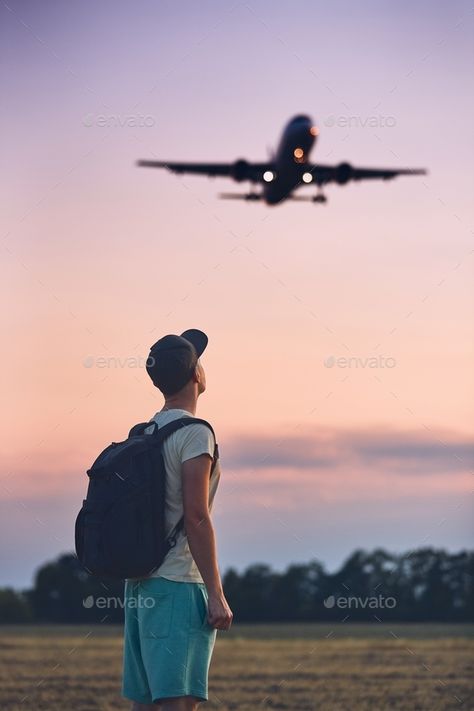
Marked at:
<point>168,641</point>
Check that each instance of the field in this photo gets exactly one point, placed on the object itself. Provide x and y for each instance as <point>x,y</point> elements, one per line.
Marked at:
<point>345,667</point>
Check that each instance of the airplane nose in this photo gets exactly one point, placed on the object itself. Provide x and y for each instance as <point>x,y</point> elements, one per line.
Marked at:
<point>301,119</point>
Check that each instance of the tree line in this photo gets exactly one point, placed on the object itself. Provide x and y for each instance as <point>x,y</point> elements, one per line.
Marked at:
<point>423,585</point>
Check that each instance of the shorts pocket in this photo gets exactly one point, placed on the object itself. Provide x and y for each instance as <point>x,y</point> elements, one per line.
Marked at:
<point>155,615</point>
<point>201,605</point>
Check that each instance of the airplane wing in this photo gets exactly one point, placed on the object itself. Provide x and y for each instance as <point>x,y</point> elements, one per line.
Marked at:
<point>344,172</point>
<point>239,170</point>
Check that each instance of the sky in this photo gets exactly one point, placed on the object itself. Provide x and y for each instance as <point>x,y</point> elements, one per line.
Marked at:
<point>339,365</point>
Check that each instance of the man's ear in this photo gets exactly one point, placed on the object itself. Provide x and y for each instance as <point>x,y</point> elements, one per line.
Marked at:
<point>195,376</point>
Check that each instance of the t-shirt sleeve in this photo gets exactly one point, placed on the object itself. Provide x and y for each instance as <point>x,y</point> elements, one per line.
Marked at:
<point>195,440</point>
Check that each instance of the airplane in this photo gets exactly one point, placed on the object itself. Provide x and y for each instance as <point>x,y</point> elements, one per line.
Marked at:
<point>287,170</point>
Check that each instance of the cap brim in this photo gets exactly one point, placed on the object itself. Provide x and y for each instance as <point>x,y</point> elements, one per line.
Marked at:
<point>197,338</point>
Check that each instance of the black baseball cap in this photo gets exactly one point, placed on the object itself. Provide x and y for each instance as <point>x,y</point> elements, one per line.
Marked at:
<point>172,359</point>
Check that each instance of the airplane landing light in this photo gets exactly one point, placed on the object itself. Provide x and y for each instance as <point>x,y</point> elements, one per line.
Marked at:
<point>298,154</point>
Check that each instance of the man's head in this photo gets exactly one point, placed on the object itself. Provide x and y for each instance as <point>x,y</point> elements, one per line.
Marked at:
<point>173,363</point>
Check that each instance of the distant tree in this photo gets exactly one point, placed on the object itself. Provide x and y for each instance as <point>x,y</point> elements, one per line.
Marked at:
<point>232,585</point>
<point>14,607</point>
<point>460,574</point>
<point>426,584</point>
<point>64,592</point>
<point>439,586</point>
<point>251,594</point>
<point>298,592</point>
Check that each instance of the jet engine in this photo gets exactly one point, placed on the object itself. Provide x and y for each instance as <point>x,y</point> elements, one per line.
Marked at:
<point>240,170</point>
<point>343,173</point>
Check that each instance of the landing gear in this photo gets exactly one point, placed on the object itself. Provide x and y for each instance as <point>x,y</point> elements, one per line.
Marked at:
<point>251,194</point>
<point>320,198</point>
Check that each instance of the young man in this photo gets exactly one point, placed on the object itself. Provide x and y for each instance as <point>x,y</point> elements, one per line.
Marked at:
<point>172,617</point>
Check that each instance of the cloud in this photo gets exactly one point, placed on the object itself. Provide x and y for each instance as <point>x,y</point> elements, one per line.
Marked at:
<point>400,452</point>
<point>333,463</point>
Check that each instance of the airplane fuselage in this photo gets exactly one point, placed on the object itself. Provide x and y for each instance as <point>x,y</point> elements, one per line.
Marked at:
<point>293,150</point>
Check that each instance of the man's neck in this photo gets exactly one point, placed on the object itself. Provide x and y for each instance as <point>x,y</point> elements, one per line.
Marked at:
<point>180,404</point>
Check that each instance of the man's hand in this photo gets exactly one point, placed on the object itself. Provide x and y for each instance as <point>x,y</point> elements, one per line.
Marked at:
<point>219,614</point>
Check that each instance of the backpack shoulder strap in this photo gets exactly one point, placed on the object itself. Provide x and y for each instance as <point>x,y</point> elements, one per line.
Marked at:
<point>161,433</point>
<point>167,430</point>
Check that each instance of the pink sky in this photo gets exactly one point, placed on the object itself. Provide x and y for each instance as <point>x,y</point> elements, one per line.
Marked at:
<point>101,259</point>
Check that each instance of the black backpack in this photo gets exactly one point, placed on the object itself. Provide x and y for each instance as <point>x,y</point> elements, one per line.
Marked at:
<point>120,529</point>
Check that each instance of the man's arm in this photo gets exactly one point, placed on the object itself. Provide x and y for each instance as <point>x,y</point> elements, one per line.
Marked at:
<point>201,537</point>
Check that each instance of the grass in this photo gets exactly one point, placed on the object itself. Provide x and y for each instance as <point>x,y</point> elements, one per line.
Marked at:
<point>356,667</point>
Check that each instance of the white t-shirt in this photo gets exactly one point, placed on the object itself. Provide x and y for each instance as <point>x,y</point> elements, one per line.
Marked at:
<point>185,443</point>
